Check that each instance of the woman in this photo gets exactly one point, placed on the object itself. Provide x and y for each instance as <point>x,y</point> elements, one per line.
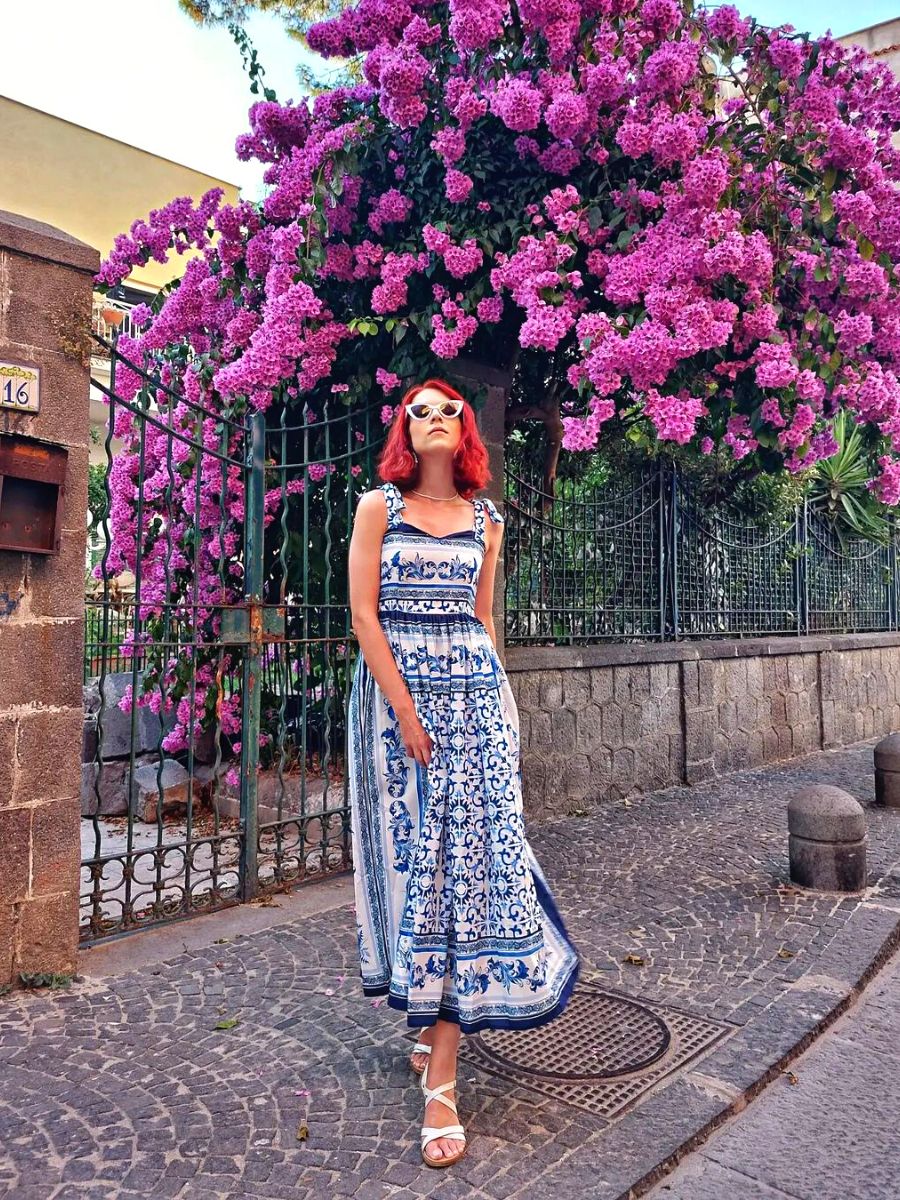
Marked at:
<point>454,919</point>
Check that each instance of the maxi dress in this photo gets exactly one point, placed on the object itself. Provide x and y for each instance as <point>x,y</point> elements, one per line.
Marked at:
<point>454,917</point>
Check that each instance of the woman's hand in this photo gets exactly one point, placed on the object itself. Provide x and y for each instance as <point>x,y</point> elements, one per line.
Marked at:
<point>416,739</point>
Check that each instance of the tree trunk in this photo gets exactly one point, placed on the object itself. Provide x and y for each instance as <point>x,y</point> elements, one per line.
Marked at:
<point>548,413</point>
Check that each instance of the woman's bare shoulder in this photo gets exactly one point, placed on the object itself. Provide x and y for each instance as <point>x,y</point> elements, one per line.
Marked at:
<point>372,506</point>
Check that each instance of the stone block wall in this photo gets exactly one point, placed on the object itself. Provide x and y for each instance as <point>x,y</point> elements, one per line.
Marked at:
<point>585,733</point>
<point>45,306</point>
<point>603,722</point>
<point>860,694</point>
<point>749,710</point>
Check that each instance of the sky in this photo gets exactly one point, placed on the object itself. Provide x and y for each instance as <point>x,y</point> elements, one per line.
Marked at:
<point>141,71</point>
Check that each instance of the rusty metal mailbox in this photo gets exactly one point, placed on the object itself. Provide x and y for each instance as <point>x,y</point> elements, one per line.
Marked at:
<point>32,487</point>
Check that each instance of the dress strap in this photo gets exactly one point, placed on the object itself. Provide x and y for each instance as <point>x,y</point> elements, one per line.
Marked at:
<point>484,505</point>
<point>492,511</point>
<point>395,502</point>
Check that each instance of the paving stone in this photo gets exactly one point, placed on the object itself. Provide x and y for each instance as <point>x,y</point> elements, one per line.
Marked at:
<point>123,1087</point>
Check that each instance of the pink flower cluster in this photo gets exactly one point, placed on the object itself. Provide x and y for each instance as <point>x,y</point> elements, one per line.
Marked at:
<point>178,226</point>
<point>453,327</point>
<point>391,294</point>
<point>675,417</point>
<point>539,281</point>
<point>391,205</point>
<point>387,379</point>
<point>475,24</point>
<point>459,260</point>
<point>518,104</point>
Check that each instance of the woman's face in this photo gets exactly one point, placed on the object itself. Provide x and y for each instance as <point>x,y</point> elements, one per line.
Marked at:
<point>437,434</point>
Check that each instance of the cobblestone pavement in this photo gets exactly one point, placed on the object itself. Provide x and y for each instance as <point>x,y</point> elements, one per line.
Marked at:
<point>122,1086</point>
<point>756,1158</point>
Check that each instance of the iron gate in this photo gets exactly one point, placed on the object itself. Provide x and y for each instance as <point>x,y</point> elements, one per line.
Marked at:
<point>219,650</point>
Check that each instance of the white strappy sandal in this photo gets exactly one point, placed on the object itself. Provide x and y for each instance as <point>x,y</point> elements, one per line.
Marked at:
<point>430,1133</point>
<point>419,1048</point>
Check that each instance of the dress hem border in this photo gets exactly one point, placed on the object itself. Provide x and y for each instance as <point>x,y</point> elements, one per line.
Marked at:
<point>448,1014</point>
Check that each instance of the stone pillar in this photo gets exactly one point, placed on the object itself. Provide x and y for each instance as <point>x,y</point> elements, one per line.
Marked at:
<point>45,312</point>
<point>493,434</point>
<point>492,427</point>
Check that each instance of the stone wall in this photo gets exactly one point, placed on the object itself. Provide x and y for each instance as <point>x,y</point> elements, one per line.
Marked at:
<point>45,305</point>
<point>604,722</point>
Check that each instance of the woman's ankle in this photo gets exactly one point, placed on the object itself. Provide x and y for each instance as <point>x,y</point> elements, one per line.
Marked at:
<point>441,1066</point>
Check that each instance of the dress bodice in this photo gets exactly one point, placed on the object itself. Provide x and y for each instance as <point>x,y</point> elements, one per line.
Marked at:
<point>423,573</point>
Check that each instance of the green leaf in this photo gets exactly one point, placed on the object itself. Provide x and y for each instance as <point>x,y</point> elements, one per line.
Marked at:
<point>227,1023</point>
<point>809,177</point>
<point>866,249</point>
<point>826,208</point>
<point>766,437</point>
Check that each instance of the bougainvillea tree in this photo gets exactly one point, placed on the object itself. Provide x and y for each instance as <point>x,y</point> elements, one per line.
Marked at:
<point>692,218</point>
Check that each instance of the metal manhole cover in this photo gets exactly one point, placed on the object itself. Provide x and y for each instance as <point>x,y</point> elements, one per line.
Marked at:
<point>602,1054</point>
<point>598,1036</point>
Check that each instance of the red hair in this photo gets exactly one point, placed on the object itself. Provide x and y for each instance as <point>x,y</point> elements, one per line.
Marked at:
<point>397,463</point>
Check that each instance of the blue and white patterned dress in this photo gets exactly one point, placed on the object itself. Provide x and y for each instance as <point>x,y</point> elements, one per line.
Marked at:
<point>454,917</point>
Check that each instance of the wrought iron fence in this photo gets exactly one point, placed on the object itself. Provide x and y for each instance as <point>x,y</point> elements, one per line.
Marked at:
<point>226,779</point>
<point>106,626</point>
<point>583,566</point>
<point>644,560</point>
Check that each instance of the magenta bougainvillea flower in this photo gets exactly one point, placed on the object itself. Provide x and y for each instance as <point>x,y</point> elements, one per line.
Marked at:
<point>712,252</point>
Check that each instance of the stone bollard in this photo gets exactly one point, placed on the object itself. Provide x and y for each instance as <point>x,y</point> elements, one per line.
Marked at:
<point>827,839</point>
<point>887,771</point>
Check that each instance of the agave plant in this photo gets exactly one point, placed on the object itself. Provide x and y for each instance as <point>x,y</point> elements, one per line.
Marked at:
<point>838,492</point>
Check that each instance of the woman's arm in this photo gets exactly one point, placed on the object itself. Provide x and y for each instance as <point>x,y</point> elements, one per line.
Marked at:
<point>364,564</point>
<point>484,596</point>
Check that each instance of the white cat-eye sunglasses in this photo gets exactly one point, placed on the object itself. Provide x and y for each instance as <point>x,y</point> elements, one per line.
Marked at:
<point>421,410</point>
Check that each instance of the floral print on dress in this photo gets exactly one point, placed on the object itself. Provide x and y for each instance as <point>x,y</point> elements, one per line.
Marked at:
<point>454,916</point>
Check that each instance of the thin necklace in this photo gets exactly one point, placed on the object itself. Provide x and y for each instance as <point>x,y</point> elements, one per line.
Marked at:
<point>427,497</point>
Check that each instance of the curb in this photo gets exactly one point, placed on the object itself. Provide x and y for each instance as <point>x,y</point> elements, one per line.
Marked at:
<point>758,1053</point>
